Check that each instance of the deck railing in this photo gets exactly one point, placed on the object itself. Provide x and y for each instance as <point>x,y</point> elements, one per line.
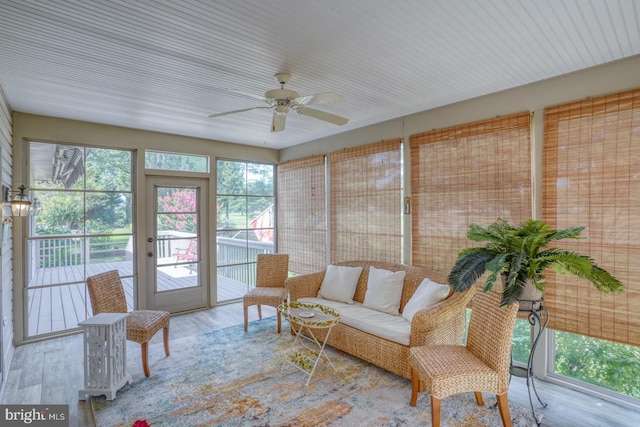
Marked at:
<point>234,253</point>
<point>62,251</point>
<point>59,265</point>
<point>59,251</point>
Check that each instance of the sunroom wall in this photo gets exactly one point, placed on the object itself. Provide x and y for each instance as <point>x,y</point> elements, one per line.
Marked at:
<point>6,291</point>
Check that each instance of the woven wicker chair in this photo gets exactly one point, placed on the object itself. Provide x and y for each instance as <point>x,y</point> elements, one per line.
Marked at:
<point>272,271</point>
<point>481,365</point>
<point>107,296</point>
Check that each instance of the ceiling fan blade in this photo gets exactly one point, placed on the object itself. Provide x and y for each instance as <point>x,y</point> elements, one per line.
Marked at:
<point>233,112</point>
<point>238,111</point>
<point>323,115</point>
<point>277,125</point>
<point>250,95</point>
<point>320,98</point>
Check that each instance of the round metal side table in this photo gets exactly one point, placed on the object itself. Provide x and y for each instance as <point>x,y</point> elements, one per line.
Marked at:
<point>309,317</point>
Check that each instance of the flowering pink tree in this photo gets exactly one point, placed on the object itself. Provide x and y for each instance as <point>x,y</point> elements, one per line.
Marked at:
<point>177,210</point>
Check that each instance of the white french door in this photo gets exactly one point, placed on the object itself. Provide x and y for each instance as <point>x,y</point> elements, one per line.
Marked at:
<point>176,243</point>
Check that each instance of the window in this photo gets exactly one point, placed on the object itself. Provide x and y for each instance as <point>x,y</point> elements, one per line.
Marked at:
<point>602,363</point>
<point>83,226</point>
<point>521,344</point>
<point>175,162</point>
<point>245,221</point>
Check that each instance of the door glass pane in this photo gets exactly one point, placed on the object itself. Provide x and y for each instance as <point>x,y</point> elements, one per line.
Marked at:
<point>176,199</point>
<point>177,255</point>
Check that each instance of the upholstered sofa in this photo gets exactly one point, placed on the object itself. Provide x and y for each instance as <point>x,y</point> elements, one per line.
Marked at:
<point>379,337</point>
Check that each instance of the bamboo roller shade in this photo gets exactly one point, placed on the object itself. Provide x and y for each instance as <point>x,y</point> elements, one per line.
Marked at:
<point>591,161</point>
<point>302,226</point>
<point>365,202</point>
<point>472,173</point>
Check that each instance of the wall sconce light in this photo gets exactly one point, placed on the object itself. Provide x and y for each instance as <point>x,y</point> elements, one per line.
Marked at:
<point>20,203</point>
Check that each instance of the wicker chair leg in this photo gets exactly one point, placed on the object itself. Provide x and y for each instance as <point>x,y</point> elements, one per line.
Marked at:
<point>246,318</point>
<point>259,312</point>
<point>415,386</point>
<point>479,398</point>
<point>145,359</point>
<point>435,412</point>
<point>165,337</point>
<point>279,321</point>
<point>503,406</point>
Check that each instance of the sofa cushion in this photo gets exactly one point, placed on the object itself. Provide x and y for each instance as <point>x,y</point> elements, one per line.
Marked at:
<point>383,325</point>
<point>384,290</point>
<point>339,283</point>
<point>426,295</point>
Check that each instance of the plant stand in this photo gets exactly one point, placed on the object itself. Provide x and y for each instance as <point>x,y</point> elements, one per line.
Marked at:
<point>537,314</point>
<point>105,355</point>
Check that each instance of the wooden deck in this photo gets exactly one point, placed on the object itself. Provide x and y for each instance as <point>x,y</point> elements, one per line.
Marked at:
<point>53,308</point>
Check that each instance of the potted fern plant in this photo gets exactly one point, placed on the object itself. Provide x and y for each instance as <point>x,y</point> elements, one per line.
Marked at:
<point>518,256</point>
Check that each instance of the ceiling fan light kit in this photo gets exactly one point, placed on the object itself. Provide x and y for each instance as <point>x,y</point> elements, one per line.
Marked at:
<point>282,100</point>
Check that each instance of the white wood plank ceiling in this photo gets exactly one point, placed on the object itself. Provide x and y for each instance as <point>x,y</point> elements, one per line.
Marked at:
<point>167,65</point>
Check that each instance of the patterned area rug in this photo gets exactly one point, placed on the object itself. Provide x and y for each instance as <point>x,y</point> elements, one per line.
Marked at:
<point>233,378</point>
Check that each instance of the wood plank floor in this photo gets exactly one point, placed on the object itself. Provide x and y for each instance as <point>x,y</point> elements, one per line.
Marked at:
<point>52,372</point>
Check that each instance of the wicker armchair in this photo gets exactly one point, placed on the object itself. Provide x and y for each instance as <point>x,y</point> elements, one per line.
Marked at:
<point>272,271</point>
<point>107,296</point>
<point>481,365</point>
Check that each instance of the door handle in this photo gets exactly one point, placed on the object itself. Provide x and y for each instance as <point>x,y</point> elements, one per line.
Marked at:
<point>150,254</point>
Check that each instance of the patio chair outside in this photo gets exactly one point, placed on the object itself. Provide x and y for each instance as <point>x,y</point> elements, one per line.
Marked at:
<point>188,254</point>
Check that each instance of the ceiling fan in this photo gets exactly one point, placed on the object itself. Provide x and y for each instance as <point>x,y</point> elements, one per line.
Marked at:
<point>282,100</point>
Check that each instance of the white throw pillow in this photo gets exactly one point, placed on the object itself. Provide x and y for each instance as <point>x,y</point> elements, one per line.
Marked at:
<point>339,283</point>
<point>427,294</point>
<point>384,290</point>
